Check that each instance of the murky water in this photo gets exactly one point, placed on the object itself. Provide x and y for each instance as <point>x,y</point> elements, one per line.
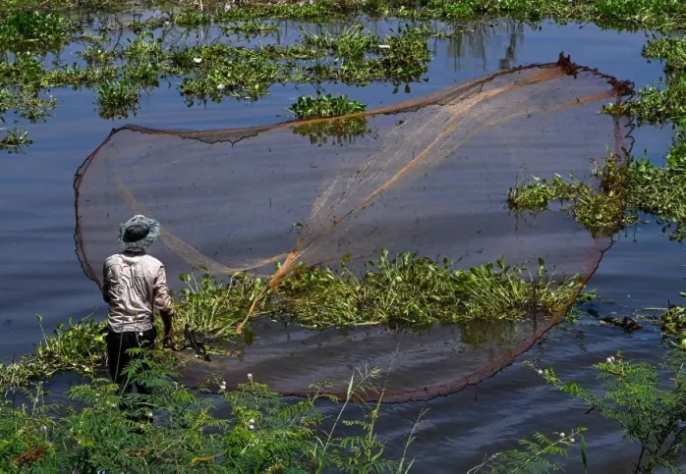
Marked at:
<point>40,272</point>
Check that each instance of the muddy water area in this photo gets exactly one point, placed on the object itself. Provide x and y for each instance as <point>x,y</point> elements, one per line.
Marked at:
<point>40,273</point>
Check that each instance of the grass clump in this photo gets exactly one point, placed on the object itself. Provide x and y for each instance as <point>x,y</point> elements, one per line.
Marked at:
<point>325,106</point>
<point>106,430</point>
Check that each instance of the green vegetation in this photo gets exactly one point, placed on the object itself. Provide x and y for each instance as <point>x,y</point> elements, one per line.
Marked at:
<point>648,402</point>
<point>103,429</point>
<point>120,71</point>
<point>33,41</point>
<point>624,190</point>
<point>534,456</point>
<point>668,103</point>
<point>401,292</point>
<point>325,106</point>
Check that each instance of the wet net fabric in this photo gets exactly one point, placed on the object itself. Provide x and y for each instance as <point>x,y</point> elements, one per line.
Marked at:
<point>428,176</point>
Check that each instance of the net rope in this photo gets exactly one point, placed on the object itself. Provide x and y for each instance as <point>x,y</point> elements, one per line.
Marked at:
<point>428,175</point>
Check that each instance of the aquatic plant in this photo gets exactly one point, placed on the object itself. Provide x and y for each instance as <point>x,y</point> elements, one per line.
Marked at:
<point>416,292</point>
<point>648,402</point>
<point>671,50</point>
<point>405,291</point>
<point>104,429</point>
<point>657,105</point>
<point>625,189</point>
<point>117,99</point>
<point>325,106</point>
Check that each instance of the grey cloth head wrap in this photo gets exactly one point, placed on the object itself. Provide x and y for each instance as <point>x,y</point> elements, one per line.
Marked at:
<point>138,233</point>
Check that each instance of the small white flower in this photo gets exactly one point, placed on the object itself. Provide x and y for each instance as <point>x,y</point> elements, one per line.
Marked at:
<point>197,60</point>
<point>311,2</point>
<point>249,376</point>
<point>220,87</point>
<point>540,372</point>
<point>571,440</point>
<point>252,422</point>
<point>562,435</point>
<point>252,427</point>
<point>149,414</point>
<point>166,23</point>
<point>44,428</point>
<point>113,405</point>
<point>384,46</point>
<point>610,360</point>
<point>227,7</point>
<point>222,386</point>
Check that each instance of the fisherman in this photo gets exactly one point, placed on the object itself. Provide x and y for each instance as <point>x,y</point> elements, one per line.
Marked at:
<point>134,286</point>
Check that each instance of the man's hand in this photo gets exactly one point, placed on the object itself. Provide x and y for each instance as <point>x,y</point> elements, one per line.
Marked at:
<point>169,340</point>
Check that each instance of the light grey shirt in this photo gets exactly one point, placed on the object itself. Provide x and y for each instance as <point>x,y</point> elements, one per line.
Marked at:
<point>134,285</point>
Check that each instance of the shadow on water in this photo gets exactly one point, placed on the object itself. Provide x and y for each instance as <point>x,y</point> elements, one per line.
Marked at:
<point>40,273</point>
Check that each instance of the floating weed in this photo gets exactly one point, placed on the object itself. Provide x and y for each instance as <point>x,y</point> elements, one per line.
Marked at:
<point>624,190</point>
<point>657,105</point>
<point>35,31</point>
<point>250,29</point>
<point>402,292</point>
<point>416,292</point>
<point>671,50</point>
<point>117,99</point>
<point>325,106</point>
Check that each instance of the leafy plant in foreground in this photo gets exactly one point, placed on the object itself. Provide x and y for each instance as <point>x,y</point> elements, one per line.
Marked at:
<point>534,456</point>
<point>648,402</point>
<point>104,429</point>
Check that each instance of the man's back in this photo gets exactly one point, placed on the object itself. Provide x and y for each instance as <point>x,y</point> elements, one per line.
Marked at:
<point>135,283</point>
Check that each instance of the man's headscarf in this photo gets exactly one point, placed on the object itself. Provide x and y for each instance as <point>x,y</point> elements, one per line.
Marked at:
<point>138,233</point>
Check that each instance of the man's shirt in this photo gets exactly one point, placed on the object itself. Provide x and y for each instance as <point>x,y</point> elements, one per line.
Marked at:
<point>134,286</point>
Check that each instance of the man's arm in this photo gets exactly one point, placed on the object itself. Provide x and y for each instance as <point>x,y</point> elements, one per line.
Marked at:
<point>163,304</point>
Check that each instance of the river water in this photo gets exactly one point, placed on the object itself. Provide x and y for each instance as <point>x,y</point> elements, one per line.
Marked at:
<point>40,273</point>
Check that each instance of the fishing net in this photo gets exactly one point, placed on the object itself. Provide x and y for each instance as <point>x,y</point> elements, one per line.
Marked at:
<point>428,176</point>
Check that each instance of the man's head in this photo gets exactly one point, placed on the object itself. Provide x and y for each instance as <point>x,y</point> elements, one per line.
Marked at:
<point>138,233</point>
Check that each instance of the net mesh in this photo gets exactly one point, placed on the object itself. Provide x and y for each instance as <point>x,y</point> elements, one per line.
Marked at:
<point>429,176</point>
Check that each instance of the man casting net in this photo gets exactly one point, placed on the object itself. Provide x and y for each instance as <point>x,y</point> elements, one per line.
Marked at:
<point>428,176</point>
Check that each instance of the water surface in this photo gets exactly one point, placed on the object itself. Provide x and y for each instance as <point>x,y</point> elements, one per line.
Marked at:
<point>41,274</point>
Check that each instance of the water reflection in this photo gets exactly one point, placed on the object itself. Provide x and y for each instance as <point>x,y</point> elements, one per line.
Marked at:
<point>341,132</point>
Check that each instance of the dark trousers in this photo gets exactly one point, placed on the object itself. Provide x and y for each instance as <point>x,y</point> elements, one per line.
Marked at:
<point>118,345</point>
